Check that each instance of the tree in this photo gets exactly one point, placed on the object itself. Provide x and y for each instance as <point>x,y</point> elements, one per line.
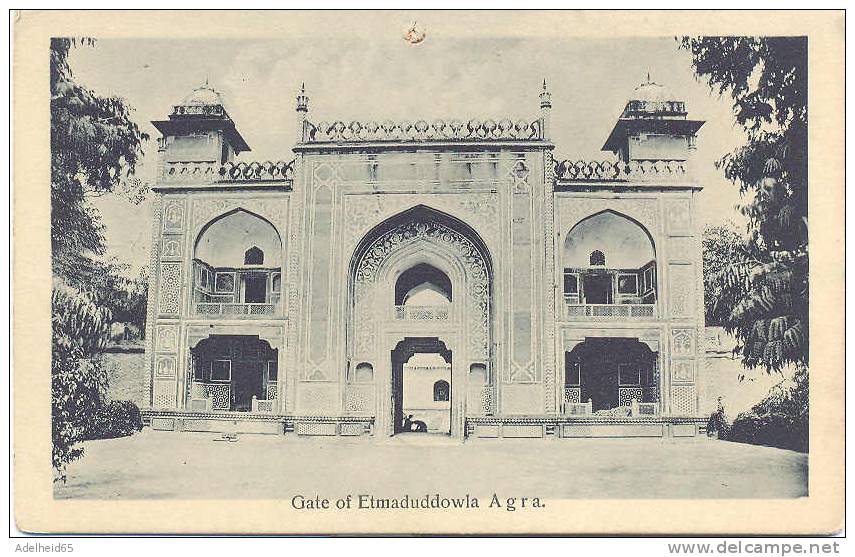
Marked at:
<point>78,380</point>
<point>722,244</point>
<point>762,296</point>
<point>95,147</point>
<point>108,285</point>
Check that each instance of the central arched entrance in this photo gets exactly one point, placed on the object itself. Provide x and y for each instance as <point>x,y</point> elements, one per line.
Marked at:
<point>421,386</point>
<point>421,282</point>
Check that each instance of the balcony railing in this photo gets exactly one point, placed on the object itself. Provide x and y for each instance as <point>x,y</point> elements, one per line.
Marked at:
<point>422,313</point>
<point>610,311</point>
<point>230,172</point>
<point>421,130</point>
<point>210,308</point>
<point>620,171</point>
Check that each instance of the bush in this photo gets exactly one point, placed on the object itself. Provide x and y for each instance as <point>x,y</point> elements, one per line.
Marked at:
<point>117,418</point>
<point>780,420</point>
<point>718,422</point>
<point>78,377</point>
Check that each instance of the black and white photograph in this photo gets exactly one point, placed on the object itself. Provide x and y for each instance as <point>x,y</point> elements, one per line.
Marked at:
<point>432,270</point>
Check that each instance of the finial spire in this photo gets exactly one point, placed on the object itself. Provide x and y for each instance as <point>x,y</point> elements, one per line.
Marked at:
<point>545,97</point>
<point>302,99</point>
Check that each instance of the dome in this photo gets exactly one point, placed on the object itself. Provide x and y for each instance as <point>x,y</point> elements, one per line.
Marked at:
<point>203,95</point>
<point>653,100</point>
<point>652,92</point>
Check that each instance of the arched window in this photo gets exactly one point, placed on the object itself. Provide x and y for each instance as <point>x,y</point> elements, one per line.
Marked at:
<point>364,373</point>
<point>422,285</point>
<point>253,256</point>
<point>440,391</point>
<point>598,258</point>
<point>478,374</point>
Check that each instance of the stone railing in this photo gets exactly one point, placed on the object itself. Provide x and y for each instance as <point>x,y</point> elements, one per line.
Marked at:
<point>572,394</point>
<point>610,311</point>
<point>619,171</point>
<point>230,309</point>
<point>266,406</point>
<point>230,172</point>
<point>210,396</point>
<point>422,313</point>
<point>579,408</point>
<point>272,390</point>
<point>421,130</point>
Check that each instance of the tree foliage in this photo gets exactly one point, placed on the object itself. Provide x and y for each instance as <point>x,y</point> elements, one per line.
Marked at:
<point>779,420</point>
<point>95,147</point>
<point>78,379</point>
<point>761,296</point>
<point>722,244</point>
<point>109,285</point>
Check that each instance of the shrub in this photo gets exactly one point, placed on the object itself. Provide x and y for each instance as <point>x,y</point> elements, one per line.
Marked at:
<point>118,418</point>
<point>780,420</point>
<point>718,422</point>
<point>78,378</point>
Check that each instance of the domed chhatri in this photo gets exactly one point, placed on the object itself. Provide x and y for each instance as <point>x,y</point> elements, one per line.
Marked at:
<point>201,113</point>
<point>652,100</point>
<point>650,91</point>
<point>204,100</point>
<point>203,95</point>
<point>654,124</point>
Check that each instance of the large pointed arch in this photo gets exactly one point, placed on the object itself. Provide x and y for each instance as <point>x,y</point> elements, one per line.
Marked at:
<point>421,236</point>
<point>212,221</point>
<point>619,218</point>
<point>421,212</point>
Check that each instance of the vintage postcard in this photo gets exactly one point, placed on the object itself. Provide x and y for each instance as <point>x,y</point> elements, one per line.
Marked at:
<point>428,272</point>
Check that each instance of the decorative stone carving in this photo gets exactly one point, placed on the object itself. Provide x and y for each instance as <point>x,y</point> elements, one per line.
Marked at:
<point>167,338</point>
<point>573,210</point>
<point>274,210</point>
<point>683,400</point>
<point>151,307</point>
<point>549,375</point>
<point>678,217</point>
<point>518,174</point>
<point>359,398</point>
<point>626,394</point>
<point>479,210</point>
<point>173,216</point>
<point>230,172</point>
<point>682,342</point>
<point>170,289</point>
<point>421,130</point>
<point>619,171</point>
<point>681,290</point>
<point>165,366</point>
<point>683,371</point>
<point>432,232</point>
<point>164,394</point>
<point>488,399</point>
<point>171,248</point>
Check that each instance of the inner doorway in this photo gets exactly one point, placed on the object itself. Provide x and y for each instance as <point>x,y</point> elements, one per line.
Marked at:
<point>255,288</point>
<point>421,386</point>
<point>228,372</point>
<point>597,289</point>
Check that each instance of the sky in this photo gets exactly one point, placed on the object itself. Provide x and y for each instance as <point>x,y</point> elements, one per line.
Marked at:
<point>453,76</point>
